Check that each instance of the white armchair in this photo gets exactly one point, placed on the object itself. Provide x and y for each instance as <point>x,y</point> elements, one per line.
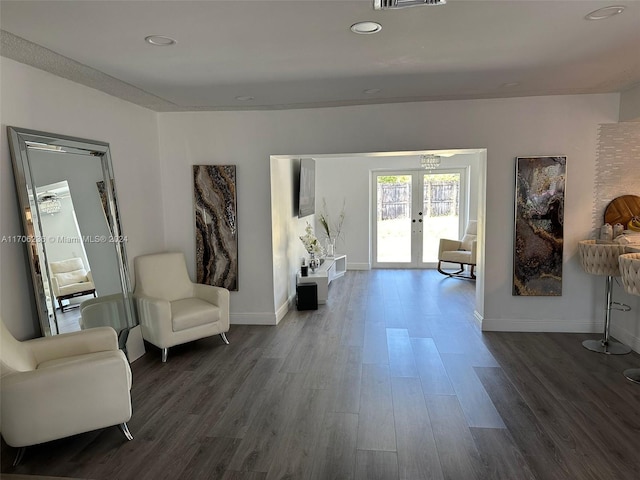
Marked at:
<point>462,252</point>
<point>69,279</point>
<point>55,387</point>
<point>172,309</point>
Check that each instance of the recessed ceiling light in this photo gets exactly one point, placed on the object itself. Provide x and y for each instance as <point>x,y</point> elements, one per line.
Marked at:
<point>160,40</point>
<point>244,98</point>
<point>371,91</point>
<point>605,12</point>
<point>510,84</point>
<point>366,28</point>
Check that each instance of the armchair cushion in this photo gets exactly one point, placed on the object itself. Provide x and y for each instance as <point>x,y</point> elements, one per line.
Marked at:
<point>69,277</point>
<point>192,312</point>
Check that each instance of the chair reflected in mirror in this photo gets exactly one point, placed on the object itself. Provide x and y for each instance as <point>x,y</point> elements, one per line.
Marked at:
<point>461,252</point>
<point>69,279</point>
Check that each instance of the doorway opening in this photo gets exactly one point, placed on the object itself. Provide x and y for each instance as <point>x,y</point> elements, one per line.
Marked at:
<point>449,196</point>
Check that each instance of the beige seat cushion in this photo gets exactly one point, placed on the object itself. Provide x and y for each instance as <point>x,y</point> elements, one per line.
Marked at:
<point>192,312</point>
<point>76,288</point>
<point>456,257</point>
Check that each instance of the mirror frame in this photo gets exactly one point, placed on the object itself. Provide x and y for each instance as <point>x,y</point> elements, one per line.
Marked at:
<point>18,138</point>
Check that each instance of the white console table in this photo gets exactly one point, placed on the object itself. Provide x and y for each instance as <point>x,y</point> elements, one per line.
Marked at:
<point>332,268</point>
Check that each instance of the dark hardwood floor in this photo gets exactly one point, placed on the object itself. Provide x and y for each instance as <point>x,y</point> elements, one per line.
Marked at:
<point>392,379</point>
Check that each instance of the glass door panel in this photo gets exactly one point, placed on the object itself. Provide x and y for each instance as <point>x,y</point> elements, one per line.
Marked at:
<point>393,218</point>
<point>413,211</point>
<point>441,194</point>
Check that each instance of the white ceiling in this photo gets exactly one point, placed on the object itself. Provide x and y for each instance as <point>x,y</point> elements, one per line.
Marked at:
<point>293,54</point>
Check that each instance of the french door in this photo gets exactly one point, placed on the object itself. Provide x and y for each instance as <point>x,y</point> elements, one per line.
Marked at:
<point>412,211</point>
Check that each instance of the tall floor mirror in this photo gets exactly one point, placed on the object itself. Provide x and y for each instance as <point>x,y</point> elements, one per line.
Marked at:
<point>72,232</point>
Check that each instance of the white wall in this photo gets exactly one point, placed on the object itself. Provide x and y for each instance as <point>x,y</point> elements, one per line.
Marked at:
<point>630,105</point>
<point>38,100</point>
<point>63,224</point>
<point>507,128</point>
<point>348,179</point>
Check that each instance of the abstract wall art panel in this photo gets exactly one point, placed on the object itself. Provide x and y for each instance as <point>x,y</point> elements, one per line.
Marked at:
<point>214,190</point>
<point>539,226</point>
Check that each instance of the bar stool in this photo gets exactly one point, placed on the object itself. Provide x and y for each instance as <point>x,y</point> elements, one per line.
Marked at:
<point>602,259</point>
<point>630,272</point>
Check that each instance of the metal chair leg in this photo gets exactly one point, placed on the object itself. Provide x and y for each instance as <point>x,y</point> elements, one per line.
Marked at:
<point>223,336</point>
<point>165,354</point>
<point>125,429</point>
<point>19,456</point>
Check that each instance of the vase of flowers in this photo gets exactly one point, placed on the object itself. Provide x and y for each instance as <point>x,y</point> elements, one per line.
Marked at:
<point>332,230</point>
<point>313,247</point>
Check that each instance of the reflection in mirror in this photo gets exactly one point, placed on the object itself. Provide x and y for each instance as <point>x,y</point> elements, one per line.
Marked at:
<point>69,269</point>
<point>72,231</point>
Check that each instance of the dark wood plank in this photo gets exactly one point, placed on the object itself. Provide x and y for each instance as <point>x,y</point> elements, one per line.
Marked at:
<point>459,457</point>
<point>246,404</point>
<point>433,375</point>
<point>335,453</point>
<point>293,456</point>
<point>417,452</point>
<point>476,404</point>
<point>345,391</point>
<point>376,465</point>
<point>543,455</point>
<point>255,452</point>
<point>376,429</point>
<point>501,455</point>
<point>401,360</point>
<point>375,343</point>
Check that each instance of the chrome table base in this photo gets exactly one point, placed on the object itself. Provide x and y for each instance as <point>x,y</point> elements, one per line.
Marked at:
<point>609,347</point>
<point>632,374</point>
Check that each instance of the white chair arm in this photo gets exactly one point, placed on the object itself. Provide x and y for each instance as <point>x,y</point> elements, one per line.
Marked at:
<point>215,295</point>
<point>54,286</point>
<point>68,399</point>
<point>474,248</point>
<point>155,319</point>
<point>90,279</point>
<point>76,343</point>
<point>447,245</point>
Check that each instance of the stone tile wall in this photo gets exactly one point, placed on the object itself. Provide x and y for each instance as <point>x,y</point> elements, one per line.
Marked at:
<point>617,165</point>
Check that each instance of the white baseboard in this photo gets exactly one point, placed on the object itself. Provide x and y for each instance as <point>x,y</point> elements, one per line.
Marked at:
<point>478,318</point>
<point>626,337</point>
<point>284,308</point>
<point>253,319</point>
<point>531,325</point>
<point>359,266</point>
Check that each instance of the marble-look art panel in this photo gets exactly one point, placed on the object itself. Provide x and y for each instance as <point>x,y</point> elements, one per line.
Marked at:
<point>214,189</point>
<point>539,226</point>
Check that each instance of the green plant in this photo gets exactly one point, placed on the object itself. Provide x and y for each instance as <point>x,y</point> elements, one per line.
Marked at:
<point>332,230</point>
